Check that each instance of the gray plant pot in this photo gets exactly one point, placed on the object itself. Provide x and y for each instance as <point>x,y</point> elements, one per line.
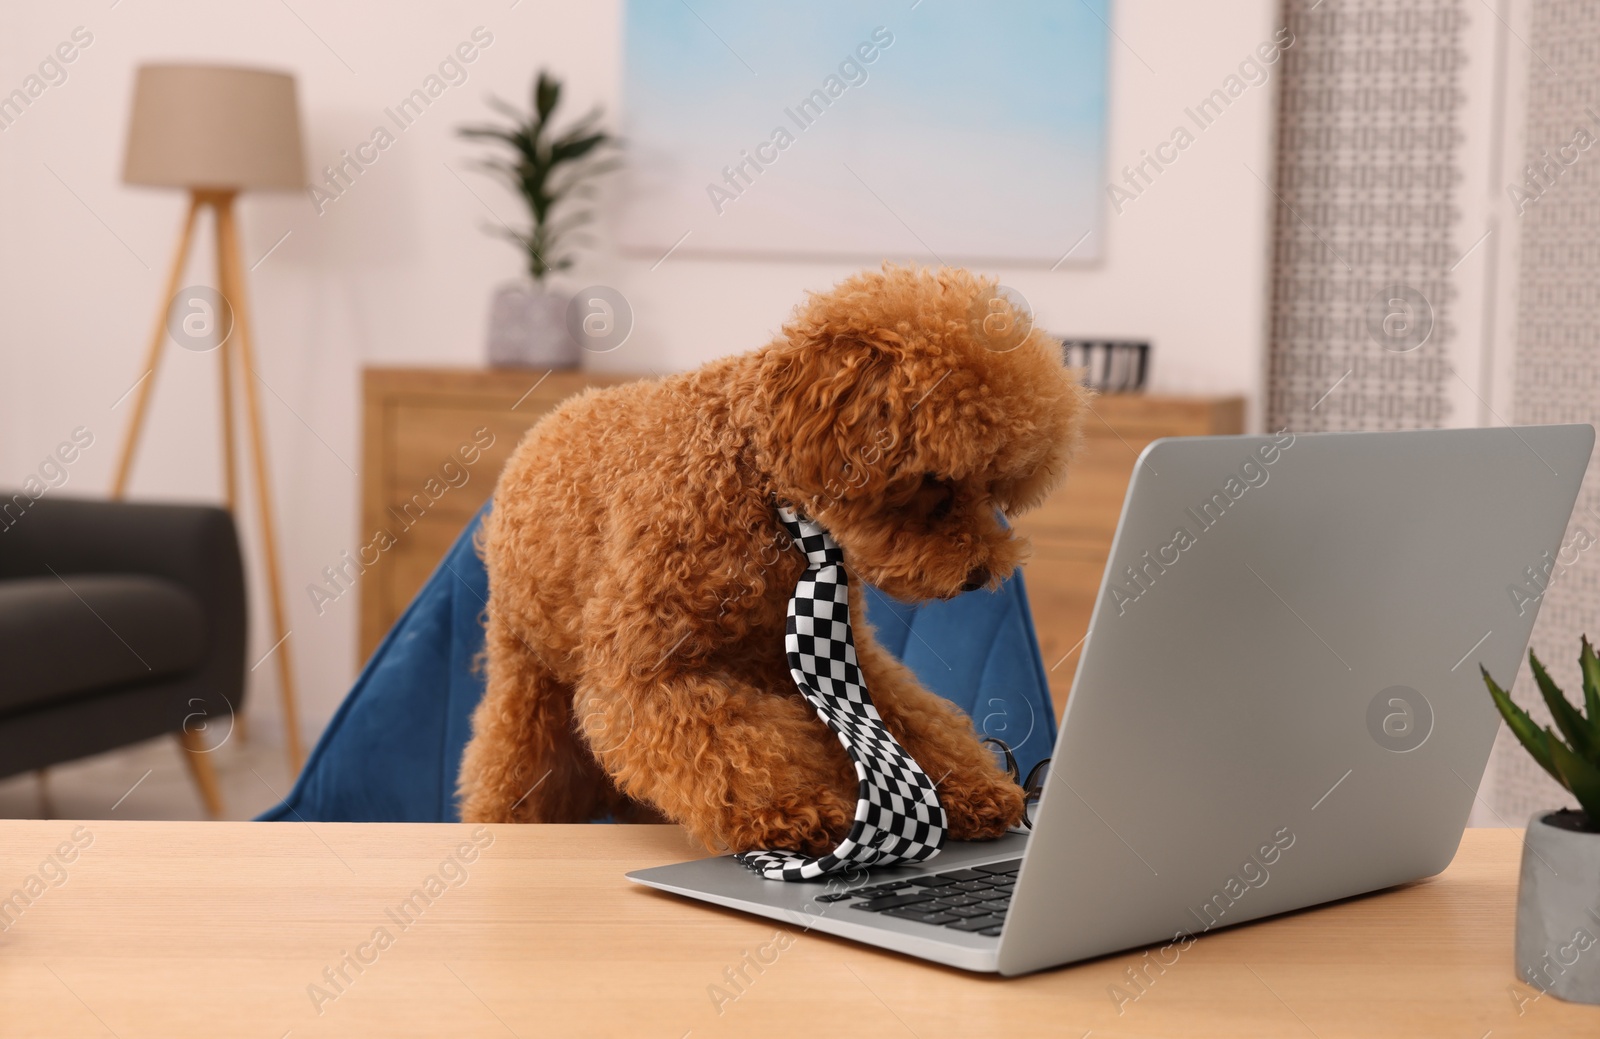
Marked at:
<point>1558,910</point>
<point>528,328</point>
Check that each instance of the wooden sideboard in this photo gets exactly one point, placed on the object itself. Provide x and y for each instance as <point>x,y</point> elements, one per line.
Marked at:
<point>436,439</point>
<point>415,423</point>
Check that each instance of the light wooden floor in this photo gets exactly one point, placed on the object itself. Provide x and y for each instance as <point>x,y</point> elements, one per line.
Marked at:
<point>149,781</point>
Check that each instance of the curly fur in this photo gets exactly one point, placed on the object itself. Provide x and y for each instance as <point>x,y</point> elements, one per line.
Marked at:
<point>639,576</point>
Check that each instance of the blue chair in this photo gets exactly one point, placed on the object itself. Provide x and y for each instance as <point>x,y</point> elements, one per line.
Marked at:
<point>392,751</point>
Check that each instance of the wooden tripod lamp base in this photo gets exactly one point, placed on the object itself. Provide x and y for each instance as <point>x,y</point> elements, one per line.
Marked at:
<point>214,131</point>
<point>233,331</point>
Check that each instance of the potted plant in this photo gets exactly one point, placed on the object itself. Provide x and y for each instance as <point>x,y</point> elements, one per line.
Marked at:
<point>550,169</point>
<point>1558,899</point>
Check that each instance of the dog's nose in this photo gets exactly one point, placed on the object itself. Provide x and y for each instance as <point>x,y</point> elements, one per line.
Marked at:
<point>977,577</point>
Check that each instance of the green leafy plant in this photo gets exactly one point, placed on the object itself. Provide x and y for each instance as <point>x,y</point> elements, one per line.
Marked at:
<point>549,169</point>
<point>1573,761</point>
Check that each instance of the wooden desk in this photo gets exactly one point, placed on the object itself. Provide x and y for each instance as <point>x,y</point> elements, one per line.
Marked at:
<point>219,929</point>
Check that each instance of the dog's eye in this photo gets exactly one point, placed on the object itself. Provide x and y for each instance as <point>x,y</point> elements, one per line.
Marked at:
<point>937,497</point>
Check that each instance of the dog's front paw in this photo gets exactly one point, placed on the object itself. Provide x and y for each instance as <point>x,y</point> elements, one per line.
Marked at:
<point>813,824</point>
<point>979,806</point>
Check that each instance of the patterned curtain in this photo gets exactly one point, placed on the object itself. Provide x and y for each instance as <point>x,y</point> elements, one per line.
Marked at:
<point>1366,224</point>
<point>1558,329</point>
<point>1368,235</point>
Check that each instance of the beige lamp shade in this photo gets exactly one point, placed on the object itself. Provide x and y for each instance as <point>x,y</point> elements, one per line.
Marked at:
<point>214,127</point>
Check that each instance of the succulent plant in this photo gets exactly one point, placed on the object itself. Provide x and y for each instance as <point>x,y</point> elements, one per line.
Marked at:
<point>1573,761</point>
<point>547,169</point>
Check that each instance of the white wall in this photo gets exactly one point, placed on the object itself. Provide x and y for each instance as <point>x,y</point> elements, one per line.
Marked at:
<point>398,271</point>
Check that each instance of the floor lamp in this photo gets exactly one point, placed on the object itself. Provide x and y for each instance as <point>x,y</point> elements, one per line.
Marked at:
<point>216,131</point>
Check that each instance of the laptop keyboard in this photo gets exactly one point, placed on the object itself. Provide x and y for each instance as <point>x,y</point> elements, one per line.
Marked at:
<point>973,900</point>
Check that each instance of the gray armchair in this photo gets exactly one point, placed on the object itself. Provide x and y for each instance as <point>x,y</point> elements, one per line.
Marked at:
<point>118,621</point>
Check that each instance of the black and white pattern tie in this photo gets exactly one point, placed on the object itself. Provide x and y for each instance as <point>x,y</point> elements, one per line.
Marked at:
<point>898,815</point>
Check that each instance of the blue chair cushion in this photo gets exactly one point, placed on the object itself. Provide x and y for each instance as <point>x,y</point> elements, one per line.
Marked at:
<point>392,750</point>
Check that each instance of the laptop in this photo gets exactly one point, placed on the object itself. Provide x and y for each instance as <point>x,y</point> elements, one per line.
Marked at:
<point>1278,703</point>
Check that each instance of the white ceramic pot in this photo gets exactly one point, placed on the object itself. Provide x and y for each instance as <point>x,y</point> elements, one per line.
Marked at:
<point>1558,909</point>
<point>528,328</point>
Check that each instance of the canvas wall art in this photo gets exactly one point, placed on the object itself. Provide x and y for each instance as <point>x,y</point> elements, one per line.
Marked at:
<point>946,130</point>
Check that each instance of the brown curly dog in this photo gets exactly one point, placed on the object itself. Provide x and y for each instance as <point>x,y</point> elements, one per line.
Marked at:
<point>639,576</point>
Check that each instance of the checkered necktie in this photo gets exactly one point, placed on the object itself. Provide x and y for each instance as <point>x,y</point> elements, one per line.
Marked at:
<point>898,816</point>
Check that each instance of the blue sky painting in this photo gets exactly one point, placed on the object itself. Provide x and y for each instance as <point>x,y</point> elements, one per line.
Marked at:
<point>952,130</point>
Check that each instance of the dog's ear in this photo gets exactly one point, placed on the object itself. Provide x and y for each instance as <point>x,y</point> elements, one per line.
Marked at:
<point>831,409</point>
